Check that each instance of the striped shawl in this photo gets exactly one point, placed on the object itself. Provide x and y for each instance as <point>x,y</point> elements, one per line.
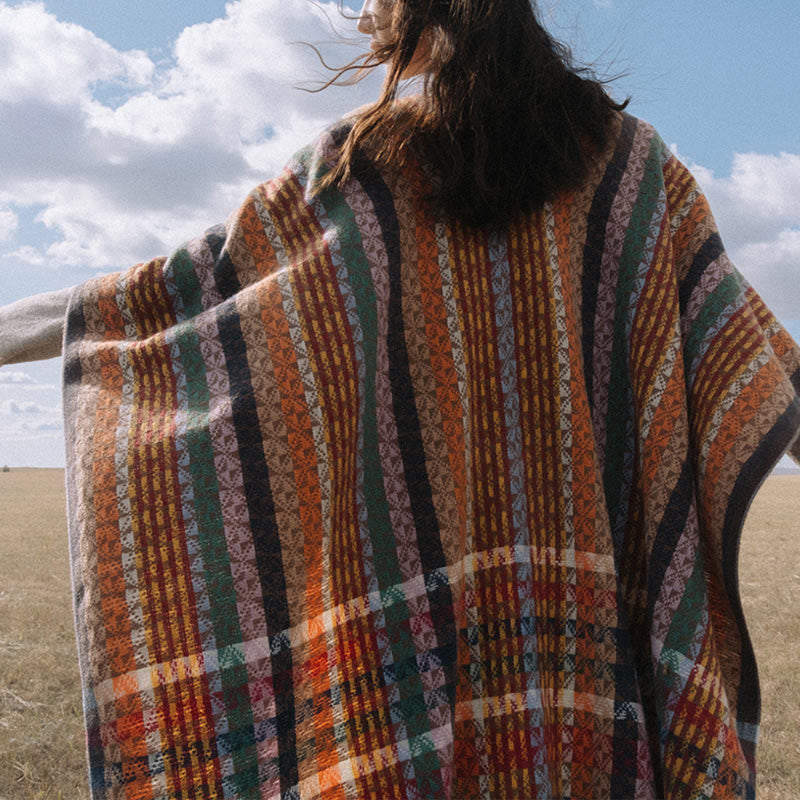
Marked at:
<point>364,504</point>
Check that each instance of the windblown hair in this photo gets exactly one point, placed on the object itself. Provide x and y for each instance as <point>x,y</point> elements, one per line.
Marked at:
<point>504,119</point>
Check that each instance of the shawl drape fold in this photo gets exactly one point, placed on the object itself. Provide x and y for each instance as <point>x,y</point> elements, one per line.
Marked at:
<point>367,504</point>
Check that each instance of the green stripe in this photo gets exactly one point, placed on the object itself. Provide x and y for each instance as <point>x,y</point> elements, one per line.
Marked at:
<point>670,677</point>
<point>688,616</point>
<point>726,293</point>
<point>412,706</point>
<point>213,546</point>
<point>620,409</point>
<point>186,280</point>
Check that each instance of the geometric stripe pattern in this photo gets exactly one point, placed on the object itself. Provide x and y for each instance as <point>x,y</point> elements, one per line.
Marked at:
<point>365,503</point>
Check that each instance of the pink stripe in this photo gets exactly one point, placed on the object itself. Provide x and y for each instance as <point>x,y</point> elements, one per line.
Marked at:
<point>397,496</point>
<point>233,504</point>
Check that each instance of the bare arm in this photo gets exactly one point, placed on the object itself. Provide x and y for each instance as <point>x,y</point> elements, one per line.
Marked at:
<point>32,329</point>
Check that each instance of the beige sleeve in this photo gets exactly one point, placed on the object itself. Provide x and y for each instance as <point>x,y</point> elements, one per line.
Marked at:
<point>33,328</point>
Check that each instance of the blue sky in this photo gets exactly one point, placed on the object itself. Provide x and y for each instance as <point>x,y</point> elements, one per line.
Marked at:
<point>128,127</point>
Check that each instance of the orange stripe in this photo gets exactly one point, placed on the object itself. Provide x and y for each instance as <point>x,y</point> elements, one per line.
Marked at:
<point>128,725</point>
<point>441,354</point>
<point>749,405</point>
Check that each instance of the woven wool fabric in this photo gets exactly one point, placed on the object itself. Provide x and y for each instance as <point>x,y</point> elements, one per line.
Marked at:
<point>365,504</point>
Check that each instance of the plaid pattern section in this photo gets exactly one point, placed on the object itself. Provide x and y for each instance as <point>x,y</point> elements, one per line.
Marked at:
<point>364,504</point>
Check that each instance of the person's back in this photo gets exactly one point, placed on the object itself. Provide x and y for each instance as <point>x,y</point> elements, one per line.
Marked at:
<point>382,491</point>
<point>400,507</point>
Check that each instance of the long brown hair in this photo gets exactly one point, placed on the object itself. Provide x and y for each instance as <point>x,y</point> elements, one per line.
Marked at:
<point>504,119</point>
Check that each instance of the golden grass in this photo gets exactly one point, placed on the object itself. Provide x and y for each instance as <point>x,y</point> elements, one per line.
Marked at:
<point>769,576</point>
<point>41,734</point>
<point>41,722</point>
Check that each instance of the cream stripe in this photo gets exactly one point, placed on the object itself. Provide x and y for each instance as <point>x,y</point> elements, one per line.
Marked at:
<point>359,607</point>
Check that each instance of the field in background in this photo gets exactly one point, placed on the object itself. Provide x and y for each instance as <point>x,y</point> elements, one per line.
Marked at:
<point>41,735</point>
<point>769,577</point>
<point>41,722</point>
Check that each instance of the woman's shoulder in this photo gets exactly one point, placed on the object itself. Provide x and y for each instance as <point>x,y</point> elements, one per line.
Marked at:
<point>637,152</point>
<point>628,128</point>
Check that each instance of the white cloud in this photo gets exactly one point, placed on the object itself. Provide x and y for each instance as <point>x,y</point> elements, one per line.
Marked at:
<point>52,425</point>
<point>773,267</point>
<point>757,209</point>
<point>8,223</point>
<point>122,158</point>
<point>57,62</point>
<point>126,157</point>
<point>760,198</point>
<point>16,407</point>
<point>16,378</point>
<point>13,379</point>
<point>21,420</point>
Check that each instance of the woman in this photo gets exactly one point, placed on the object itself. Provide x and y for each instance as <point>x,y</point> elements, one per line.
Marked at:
<point>424,476</point>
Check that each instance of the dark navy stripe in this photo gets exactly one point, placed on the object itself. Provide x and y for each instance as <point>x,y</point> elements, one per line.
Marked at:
<point>595,245</point>
<point>75,331</point>
<point>795,379</point>
<point>670,529</point>
<point>76,322</point>
<point>750,478</point>
<point>224,271</point>
<point>408,427</point>
<point>411,447</point>
<point>711,250</point>
<point>266,540</point>
<point>625,749</point>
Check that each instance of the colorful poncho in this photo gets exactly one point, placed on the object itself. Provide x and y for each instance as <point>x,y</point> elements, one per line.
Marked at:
<point>367,505</point>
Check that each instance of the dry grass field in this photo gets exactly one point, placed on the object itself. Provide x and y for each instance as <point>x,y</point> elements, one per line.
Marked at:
<point>769,576</point>
<point>41,742</point>
<point>41,722</point>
